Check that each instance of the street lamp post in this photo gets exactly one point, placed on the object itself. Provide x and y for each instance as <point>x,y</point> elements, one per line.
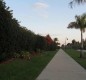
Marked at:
<point>65,41</point>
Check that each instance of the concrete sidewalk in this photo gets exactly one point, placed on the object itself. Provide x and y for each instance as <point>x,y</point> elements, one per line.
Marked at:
<point>62,67</point>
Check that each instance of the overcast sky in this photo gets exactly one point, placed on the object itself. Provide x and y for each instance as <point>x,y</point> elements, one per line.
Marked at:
<point>48,17</point>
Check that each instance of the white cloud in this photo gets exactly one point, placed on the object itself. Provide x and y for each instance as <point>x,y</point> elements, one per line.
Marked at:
<point>40,5</point>
<point>41,9</point>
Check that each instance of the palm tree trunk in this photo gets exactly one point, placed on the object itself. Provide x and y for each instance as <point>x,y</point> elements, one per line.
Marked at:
<point>81,52</point>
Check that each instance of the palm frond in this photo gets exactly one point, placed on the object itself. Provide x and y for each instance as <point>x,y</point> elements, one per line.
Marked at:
<point>73,25</point>
<point>76,1</point>
<point>71,4</point>
<point>79,1</point>
<point>80,22</point>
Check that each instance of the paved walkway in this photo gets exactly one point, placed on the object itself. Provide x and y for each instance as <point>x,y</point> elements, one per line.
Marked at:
<point>62,67</point>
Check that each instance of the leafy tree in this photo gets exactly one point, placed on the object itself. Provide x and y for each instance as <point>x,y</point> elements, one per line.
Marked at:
<point>13,37</point>
<point>48,39</point>
<point>73,41</point>
<point>5,23</point>
<point>40,43</point>
<point>80,23</point>
<point>55,39</point>
<point>51,44</point>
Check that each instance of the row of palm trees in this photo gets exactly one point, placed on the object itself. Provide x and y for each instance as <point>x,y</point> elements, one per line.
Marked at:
<point>80,23</point>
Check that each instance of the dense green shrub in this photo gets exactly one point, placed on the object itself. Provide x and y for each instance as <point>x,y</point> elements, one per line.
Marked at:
<point>25,55</point>
<point>3,56</point>
<point>16,55</point>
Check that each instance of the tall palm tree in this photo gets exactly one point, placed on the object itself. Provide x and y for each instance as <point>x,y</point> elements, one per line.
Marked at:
<point>80,23</point>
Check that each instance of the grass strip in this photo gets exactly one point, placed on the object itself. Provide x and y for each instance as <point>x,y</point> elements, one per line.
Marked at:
<point>75,55</point>
<point>23,69</point>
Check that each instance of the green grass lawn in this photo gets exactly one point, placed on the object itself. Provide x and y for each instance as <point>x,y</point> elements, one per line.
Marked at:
<point>75,55</point>
<point>23,69</point>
